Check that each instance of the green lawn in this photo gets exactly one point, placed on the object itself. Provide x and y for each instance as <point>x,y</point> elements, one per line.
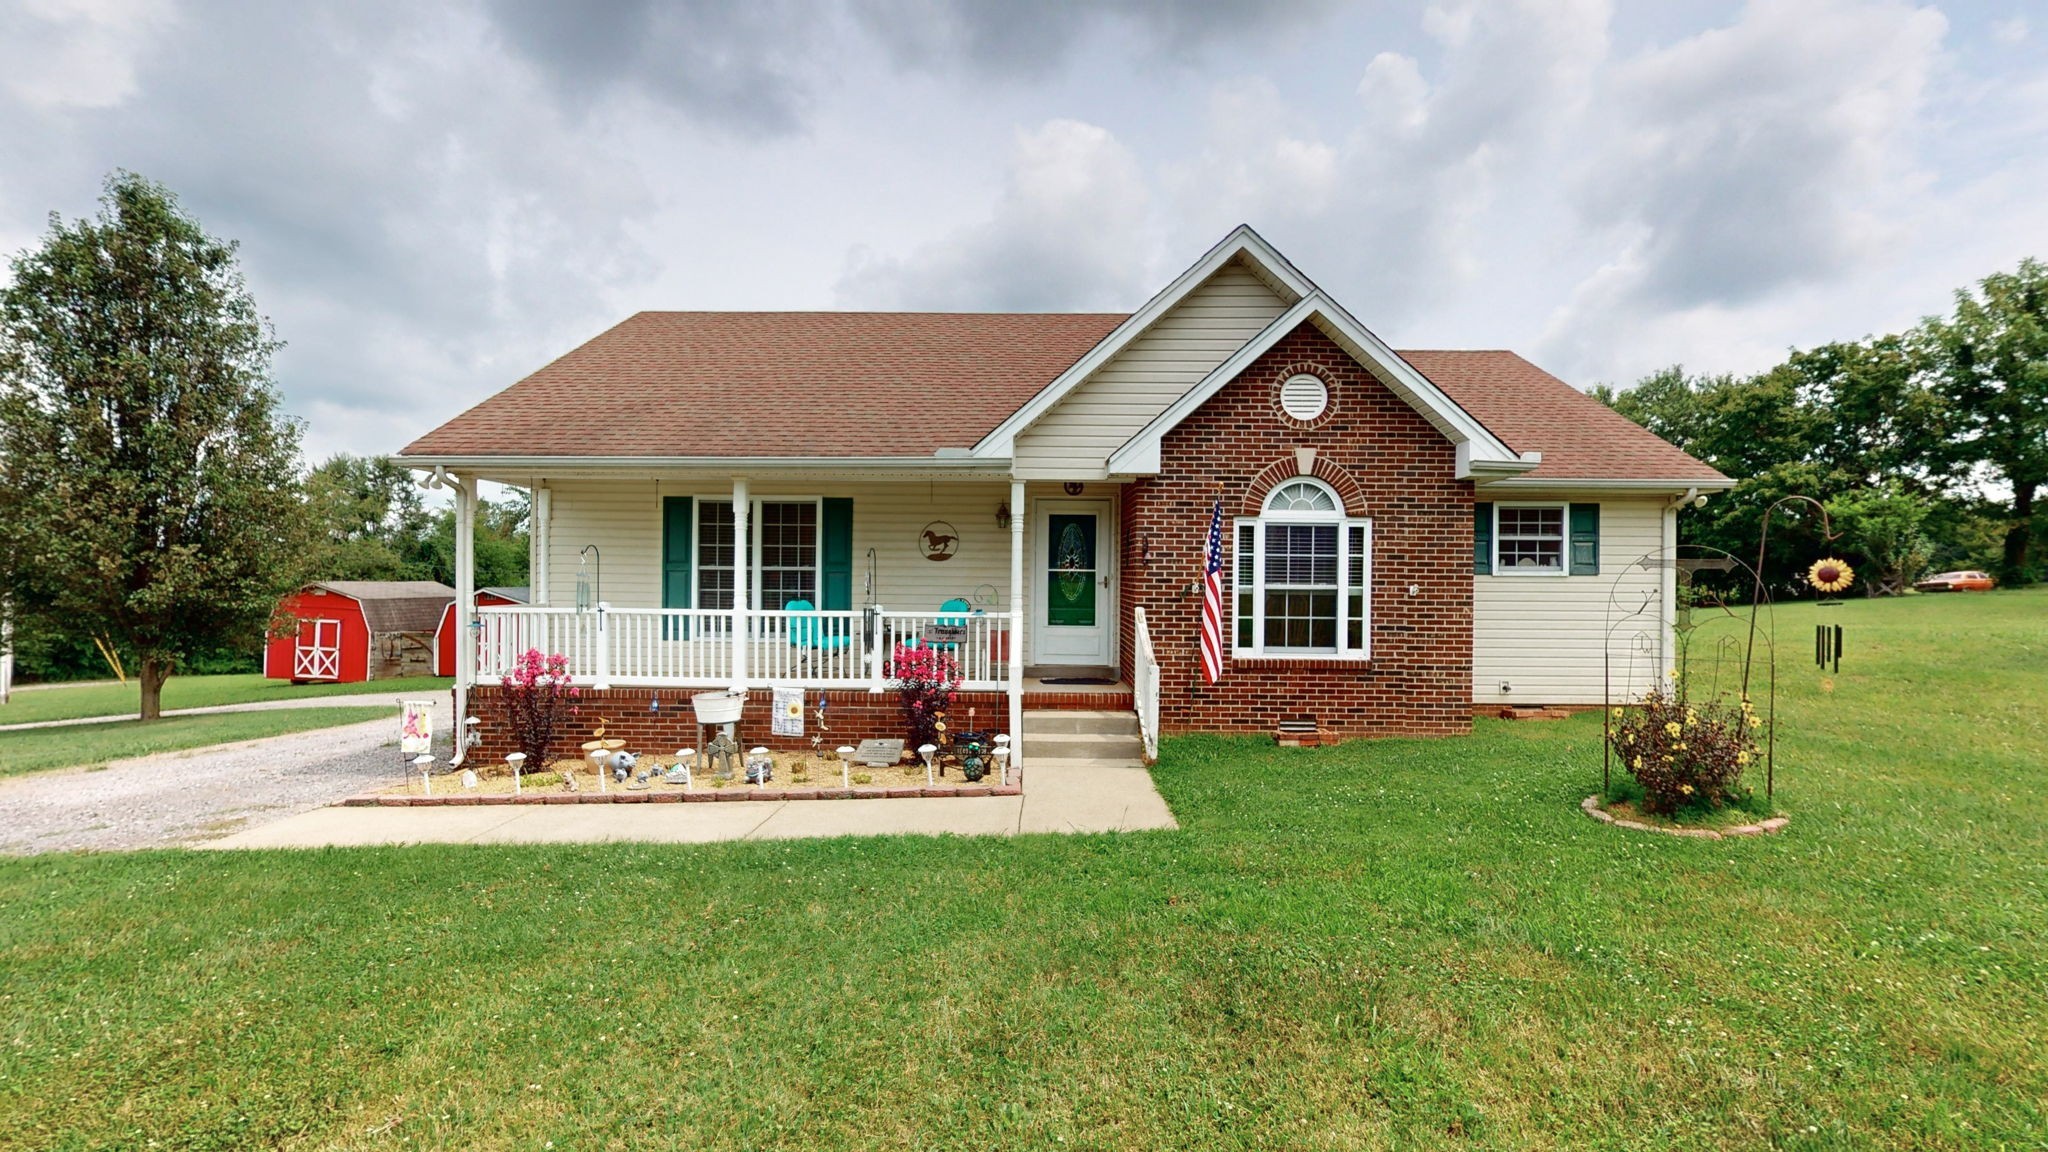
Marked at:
<point>1393,944</point>
<point>81,744</point>
<point>189,692</point>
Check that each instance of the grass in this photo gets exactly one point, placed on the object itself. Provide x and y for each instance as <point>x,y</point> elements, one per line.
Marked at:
<point>72,703</point>
<point>1410,944</point>
<point>76,745</point>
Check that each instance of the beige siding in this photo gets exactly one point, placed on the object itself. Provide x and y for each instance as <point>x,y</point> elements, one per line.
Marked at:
<point>1546,636</point>
<point>622,518</point>
<point>1074,440</point>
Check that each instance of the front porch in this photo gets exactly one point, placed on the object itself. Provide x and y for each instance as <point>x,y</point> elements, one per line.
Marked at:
<point>655,586</point>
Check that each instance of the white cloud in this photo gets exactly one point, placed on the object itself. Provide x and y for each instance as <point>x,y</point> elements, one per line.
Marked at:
<point>1069,231</point>
<point>75,53</point>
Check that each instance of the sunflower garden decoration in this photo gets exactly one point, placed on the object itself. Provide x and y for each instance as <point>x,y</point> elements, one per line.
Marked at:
<point>1828,577</point>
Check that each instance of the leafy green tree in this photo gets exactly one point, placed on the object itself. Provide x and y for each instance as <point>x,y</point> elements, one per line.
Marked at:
<point>1884,530</point>
<point>501,535</point>
<point>367,516</point>
<point>1993,365</point>
<point>148,481</point>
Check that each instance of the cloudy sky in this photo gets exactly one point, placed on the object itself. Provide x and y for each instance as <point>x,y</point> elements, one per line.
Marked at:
<point>434,199</point>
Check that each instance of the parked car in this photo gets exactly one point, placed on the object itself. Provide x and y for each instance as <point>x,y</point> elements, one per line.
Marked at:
<point>1957,582</point>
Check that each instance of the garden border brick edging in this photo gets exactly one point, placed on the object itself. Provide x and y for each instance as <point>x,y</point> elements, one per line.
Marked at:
<point>623,795</point>
<point>1591,806</point>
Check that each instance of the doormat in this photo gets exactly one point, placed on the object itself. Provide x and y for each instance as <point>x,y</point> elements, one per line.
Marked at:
<point>1077,680</point>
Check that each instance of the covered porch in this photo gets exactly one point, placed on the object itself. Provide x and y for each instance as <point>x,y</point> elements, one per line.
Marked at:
<point>823,579</point>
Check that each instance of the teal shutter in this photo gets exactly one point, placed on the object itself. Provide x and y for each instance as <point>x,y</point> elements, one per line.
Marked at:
<point>835,554</point>
<point>1585,539</point>
<point>1482,538</point>
<point>677,539</point>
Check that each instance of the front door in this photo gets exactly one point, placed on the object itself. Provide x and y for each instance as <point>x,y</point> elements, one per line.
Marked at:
<point>1076,614</point>
<point>317,656</point>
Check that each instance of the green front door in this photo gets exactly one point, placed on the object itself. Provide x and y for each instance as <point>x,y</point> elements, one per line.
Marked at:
<point>1070,573</point>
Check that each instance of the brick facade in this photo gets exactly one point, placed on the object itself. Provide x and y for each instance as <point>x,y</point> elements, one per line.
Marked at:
<point>853,714</point>
<point>1385,462</point>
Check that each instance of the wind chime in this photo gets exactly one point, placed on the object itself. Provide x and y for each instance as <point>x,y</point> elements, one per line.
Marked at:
<point>1828,577</point>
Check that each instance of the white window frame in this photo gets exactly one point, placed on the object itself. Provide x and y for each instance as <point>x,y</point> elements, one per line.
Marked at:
<point>1564,540</point>
<point>754,504</point>
<point>1345,526</point>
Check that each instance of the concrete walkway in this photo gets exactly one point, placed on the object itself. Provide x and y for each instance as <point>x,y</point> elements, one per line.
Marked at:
<point>1059,796</point>
<point>358,700</point>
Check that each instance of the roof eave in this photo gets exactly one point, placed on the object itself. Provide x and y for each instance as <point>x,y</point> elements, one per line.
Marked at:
<point>1611,483</point>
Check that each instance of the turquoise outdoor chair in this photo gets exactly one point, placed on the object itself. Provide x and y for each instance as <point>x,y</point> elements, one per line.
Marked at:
<point>808,631</point>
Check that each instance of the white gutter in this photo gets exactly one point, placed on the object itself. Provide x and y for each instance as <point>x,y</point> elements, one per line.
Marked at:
<point>557,464</point>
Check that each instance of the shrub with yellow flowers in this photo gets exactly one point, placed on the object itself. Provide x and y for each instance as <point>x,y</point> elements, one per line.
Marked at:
<point>1686,753</point>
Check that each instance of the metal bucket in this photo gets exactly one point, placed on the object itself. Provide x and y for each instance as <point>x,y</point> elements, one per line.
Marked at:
<point>718,707</point>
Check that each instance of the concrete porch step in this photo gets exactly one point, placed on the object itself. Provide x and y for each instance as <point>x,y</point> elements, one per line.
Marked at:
<point>1075,722</point>
<point>1082,746</point>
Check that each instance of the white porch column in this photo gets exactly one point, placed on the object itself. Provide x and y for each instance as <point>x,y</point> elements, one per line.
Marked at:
<point>742,582</point>
<point>542,510</point>
<point>1017,518</point>
<point>465,606</point>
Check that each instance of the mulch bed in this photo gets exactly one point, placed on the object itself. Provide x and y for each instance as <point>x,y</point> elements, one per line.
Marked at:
<point>824,782</point>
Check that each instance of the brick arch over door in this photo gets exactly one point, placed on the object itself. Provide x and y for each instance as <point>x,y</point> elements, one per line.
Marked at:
<point>1327,470</point>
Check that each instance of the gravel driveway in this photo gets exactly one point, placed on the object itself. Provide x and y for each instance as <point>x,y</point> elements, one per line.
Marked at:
<point>176,798</point>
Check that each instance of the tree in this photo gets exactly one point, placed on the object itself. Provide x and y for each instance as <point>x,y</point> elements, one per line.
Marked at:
<point>1993,367</point>
<point>501,536</point>
<point>1884,530</point>
<point>148,482</point>
<point>367,517</point>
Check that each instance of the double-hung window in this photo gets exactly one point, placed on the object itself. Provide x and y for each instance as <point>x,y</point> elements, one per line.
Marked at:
<point>1528,539</point>
<point>1304,575</point>
<point>782,542</point>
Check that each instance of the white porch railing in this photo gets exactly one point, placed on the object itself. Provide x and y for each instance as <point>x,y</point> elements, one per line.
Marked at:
<point>691,647</point>
<point>1145,692</point>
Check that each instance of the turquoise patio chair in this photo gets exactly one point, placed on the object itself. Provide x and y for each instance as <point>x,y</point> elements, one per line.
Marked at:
<point>809,631</point>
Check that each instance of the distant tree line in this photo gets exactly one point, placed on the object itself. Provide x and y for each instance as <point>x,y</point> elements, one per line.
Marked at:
<point>1929,448</point>
<point>153,501</point>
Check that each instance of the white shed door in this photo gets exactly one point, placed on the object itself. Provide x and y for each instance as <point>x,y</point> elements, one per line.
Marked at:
<point>318,653</point>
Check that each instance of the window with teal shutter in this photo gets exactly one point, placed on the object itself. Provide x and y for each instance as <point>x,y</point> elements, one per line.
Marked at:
<point>676,539</point>
<point>1482,538</point>
<point>1585,540</point>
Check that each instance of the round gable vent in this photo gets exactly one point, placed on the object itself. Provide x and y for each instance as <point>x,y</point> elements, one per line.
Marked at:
<point>1304,397</point>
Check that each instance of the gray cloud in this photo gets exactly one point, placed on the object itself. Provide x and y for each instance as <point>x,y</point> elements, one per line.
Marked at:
<point>1010,38</point>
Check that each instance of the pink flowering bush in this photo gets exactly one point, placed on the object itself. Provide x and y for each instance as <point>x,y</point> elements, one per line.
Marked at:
<point>538,692</point>
<point>927,682</point>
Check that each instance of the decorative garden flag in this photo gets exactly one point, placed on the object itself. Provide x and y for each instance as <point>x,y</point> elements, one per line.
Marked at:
<point>788,712</point>
<point>416,727</point>
<point>1212,599</point>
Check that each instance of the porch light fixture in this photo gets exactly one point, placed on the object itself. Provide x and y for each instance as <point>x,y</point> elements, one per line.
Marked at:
<point>584,600</point>
<point>1003,515</point>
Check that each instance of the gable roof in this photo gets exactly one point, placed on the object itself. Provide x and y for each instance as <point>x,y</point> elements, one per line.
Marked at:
<point>777,384</point>
<point>395,605</point>
<point>1579,437</point>
<point>1480,451</point>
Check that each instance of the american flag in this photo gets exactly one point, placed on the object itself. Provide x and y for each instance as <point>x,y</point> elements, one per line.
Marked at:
<point>1212,600</point>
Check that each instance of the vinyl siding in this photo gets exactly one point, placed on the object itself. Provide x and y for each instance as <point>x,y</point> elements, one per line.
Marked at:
<point>1546,636</point>
<point>622,519</point>
<point>1074,440</point>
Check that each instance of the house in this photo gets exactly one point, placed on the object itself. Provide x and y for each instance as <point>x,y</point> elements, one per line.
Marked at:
<point>1408,536</point>
<point>445,633</point>
<point>349,631</point>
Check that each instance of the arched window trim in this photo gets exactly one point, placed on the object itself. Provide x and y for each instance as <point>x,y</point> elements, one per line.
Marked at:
<point>1288,605</point>
<point>1334,512</point>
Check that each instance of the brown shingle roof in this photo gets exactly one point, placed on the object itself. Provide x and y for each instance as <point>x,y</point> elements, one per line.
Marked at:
<point>396,605</point>
<point>1533,411</point>
<point>842,384</point>
<point>777,384</point>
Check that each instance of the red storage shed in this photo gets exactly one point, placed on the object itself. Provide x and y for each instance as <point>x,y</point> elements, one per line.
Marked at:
<point>348,631</point>
<point>444,640</point>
